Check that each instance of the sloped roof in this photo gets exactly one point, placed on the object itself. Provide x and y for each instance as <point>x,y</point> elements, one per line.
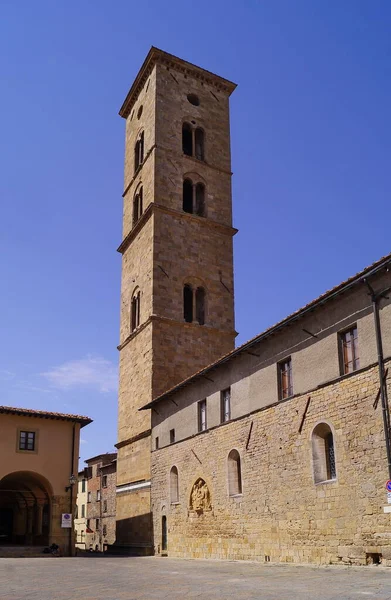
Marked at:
<point>383,262</point>
<point>43,414</point>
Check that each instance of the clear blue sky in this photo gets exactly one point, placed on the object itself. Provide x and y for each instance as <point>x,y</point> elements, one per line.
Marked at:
<point>311,141</point>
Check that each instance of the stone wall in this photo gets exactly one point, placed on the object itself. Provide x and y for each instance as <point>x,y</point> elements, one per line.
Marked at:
<point>282,515</point>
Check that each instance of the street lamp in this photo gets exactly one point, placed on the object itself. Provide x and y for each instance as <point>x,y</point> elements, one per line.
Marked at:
<point>72,482</point>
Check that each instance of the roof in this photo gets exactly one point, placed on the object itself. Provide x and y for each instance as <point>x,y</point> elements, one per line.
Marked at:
<point>109,456</point>
<point>43,414</point>
<point>384,262</point>
<point>156,55</point>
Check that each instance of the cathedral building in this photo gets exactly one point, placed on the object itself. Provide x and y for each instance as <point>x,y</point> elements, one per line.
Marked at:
<point>278,450</point>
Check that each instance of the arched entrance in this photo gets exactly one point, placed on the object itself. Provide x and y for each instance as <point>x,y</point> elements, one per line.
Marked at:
<point>24,509</point>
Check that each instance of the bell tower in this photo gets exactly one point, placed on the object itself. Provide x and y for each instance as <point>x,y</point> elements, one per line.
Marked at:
<point>177,295</point>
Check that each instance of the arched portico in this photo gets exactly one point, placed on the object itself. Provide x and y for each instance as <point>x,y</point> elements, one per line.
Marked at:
<point>25,506</point>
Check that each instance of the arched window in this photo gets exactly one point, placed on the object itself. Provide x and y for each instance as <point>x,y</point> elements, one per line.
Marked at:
<point>188,195</point>
<point>199,143</point>
<point>323,453</point>
<point>188,303</point>
<point>194,304</point>
<point>187,139</point>
<point>139,151</point>
<point>234,473</point>
<point>137,205</point>
<point>200,199</point>
<point>200,305</point>
<point>135,311</point>
<point>174,485</point>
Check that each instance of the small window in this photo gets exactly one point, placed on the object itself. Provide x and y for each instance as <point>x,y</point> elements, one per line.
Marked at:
<point>234,473</point>
<point>349,351</point>
<point>225,405</point>
<point>193,99</point>
<point>202,416</point>
<point>89,497</point>
<point>83,511</point>
<point>187,196</point>
<point>104,481</point>
<point>323,454</point>
<point>139,152</point>
<point>188,303</point>
<point>174,485</point>
<point>199,143</point>
<point>27,440</point>
<point>104,531</point>
<point>172,436</point>
<point>97,524</point>
<point>137,205</point>
<point>135,311</point>
<point>156,443</point>
<point>88,524</point>
<point>285,379</point>
<point>98,495</point>
<point>187,139</point>
<point>140,112</point>
<point>83,485</point>
<point>200,305</point>
<point>104,505</point>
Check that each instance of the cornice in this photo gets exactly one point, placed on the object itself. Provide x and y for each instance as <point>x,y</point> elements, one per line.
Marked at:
<point>153,207</point>
<point>155,55</point>
<point>133,439</point>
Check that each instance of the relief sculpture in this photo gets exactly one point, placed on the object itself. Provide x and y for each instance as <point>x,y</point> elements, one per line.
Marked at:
<point>200,496</point>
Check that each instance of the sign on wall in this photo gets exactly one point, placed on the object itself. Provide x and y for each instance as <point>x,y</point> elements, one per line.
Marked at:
<point>66,520</point>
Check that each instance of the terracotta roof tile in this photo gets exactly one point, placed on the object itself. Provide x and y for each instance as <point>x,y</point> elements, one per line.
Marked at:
<point>43,414</point>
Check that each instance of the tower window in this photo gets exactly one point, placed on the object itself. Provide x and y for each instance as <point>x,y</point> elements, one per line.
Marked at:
<point>323,453</point>
<point>199,143</point>
<point>137,205</point>
<point>187,139</point>
<point>135,311</point>
<point>194,304</point>
<point>188,303</point>
<point>139,152</point>
<point>349,351</point>
<point>193,99</point>
<point>188,196</point>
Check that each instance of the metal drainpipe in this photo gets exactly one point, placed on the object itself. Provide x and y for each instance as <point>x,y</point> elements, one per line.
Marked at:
<point>71,490</point>
<point>383,385</point>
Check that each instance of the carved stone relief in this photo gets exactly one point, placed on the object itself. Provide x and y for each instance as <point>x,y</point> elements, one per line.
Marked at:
<point>200,496</point>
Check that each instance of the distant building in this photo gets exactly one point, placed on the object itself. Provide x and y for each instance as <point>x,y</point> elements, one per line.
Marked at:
<point>39,453</point>
<point>81,511</point>
<point>100,507</point>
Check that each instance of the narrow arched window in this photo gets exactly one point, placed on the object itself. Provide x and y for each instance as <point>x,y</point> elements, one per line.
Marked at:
<point>200,305</point>
<point>234,473</point>
<point>200,199</point>
<point>323,453</point>
<point>135,311</point>
<point>199,143</point>
<point>137,205</point>
<point>187,139</point>
<point>174,485</point>
<point>188,196</point>
<point>188,303</point>
<point>139,152</point>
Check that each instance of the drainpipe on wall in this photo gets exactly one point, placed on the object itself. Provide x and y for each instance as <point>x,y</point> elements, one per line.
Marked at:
<point>376,297</point>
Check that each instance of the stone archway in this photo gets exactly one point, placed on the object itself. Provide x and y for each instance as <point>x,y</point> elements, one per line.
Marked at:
<point>25,506</point>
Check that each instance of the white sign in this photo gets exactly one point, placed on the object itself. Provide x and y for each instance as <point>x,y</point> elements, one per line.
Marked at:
<point>389,497</point>
<point>387,509</point>
<point>66,520</point>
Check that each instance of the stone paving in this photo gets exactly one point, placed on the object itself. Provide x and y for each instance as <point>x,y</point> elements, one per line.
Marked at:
<point>110,578</point>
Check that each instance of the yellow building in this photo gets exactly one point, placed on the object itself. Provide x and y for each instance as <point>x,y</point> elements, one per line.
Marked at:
<point>39,453</point>
<point>81,511</point>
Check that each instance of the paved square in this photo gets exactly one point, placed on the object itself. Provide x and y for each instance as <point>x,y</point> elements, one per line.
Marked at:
<point>95,578</point>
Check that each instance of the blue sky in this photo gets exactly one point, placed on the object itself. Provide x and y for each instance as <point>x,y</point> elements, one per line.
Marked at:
<point>311,131</point>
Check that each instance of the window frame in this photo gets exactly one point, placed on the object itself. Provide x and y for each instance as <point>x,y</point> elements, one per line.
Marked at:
<point>238,465</point>
<point>202,410</point>
<point>222,405</point>
<point>323,471</point>
<point>343,351</point>
<point>172,436</point>
<point>104,481</point>
<point>89,497</point>
<point>285,391</point>
<point>98,495</point>
<point>174,493</point>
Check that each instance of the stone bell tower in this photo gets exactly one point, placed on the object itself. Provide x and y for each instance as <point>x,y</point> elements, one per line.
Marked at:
<point>177,295</point>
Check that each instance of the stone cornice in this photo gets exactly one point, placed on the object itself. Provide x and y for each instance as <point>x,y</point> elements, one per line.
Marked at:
<point>154,56</point>
<point>152,318</point>
<point>133,439</point>
<point>153,206</point>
